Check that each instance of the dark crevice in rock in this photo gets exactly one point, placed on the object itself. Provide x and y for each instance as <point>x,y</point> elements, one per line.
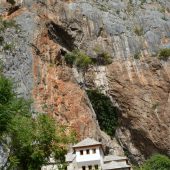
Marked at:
<point>146,146</point>
<point>13,9</point>
<point>130,156</point>
<point>59,35</point>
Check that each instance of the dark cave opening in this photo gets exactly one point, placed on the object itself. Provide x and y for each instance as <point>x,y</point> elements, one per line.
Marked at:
<point>61,36</point>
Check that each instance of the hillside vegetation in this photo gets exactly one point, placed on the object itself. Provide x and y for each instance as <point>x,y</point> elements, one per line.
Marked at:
<point>29,139</point>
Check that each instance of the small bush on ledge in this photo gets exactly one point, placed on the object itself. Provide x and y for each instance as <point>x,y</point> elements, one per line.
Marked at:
<point>12,2</point>
<point>103,57</point>
<point>83,61</point>
<point>138,30</point>
<point>164,54</point>
<point>4,24</point>
<point>137,55</point>
<point>79,59</point>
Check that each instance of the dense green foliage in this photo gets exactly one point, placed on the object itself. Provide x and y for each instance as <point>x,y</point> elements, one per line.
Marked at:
<point>80,59</point>
<point>6,92</point>
<point>83,61</point>
<point>156,162</point>
<point>164,53</point>
<point>10,105</point>
<point>107,114</point>
<point>32,140</point>
<point>12,2</point>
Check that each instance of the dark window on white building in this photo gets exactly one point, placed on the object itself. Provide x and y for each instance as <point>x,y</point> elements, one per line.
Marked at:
<point>96,167</point>
<point>90,167</point>
<point>81,152</point>
<point>88,151</point>
<point>94,150</point>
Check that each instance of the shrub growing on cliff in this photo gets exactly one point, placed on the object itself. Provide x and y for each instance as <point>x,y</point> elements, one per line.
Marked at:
<point>164,54</point>
<point>107,114</point>
<point>137,55</point>
<point>8,47</point>
<point>138,30</point>
<point>12,2</point>
<point>156,162</point>
<point>103,57</point>
<point>4,24</point>
<point>79,59</point>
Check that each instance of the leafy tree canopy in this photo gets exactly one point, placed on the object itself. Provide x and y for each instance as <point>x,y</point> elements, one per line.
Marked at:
<point>31,141</point>
<point>156,162</point>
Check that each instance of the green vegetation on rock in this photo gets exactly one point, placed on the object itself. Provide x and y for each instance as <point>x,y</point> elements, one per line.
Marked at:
<point>103,57</point>
<point>137,55</point>
<point>83,61</point>
<point>156,162</point>
<point>79,58</point>
<point>138,30</point>
<point>4,24</point>
<point>107,114</point>
<point>31,141</point>
<point>12,2</point>
<point>164,54</point>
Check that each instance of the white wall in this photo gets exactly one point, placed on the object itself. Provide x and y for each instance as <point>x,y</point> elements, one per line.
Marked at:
<point>88,157</point>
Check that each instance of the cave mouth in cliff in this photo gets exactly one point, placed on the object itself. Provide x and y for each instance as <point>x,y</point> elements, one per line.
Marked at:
<point>60,35</point>
<point>106,112</point>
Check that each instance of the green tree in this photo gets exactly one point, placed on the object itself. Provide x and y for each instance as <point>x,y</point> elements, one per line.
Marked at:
<point>6,91</point>
<point>10,104</point>
<point>156,162</point>
<point>31,141</point>
<point>34,141</point>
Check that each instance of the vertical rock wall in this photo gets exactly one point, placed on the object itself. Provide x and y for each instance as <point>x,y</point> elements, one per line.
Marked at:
<point>137,82</point>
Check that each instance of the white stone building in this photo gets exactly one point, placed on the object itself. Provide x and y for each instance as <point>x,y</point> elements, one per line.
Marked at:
<point>88,155</point>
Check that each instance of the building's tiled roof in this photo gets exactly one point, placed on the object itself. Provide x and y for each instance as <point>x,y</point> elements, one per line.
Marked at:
<point>115,165</point>
<point>113,158</point>
<point>87,142</point>
<point>70,157</point>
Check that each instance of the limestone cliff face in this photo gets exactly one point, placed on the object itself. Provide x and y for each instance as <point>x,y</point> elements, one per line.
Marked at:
<point>57,92</point>
<point>141,90</point>
<point>138,83</point>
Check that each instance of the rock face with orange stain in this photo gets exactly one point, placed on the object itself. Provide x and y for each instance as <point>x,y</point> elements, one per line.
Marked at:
<point>57,92</point>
